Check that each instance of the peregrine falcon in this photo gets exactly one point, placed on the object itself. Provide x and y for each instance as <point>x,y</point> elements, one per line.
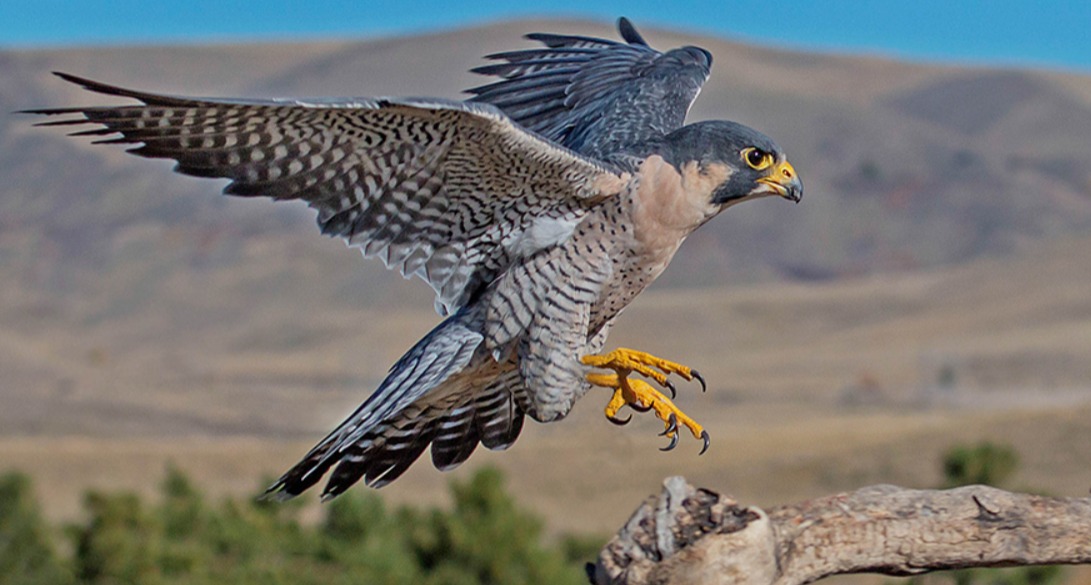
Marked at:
<point>537,210</point>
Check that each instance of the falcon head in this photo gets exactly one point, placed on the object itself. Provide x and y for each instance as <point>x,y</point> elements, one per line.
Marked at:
<point>745,163</point>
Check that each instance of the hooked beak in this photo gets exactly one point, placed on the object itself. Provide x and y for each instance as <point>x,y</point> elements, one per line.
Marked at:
<point>782,180</point>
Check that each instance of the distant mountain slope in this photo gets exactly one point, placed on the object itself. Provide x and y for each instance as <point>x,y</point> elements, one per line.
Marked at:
<point>906,166</point>
<point>141,313</point>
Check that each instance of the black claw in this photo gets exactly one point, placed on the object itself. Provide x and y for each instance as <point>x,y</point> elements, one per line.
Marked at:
<point>700,379</point>
<point>639,407</point>
<point>672,425</point>
<point>674,443</point>
<point>620,421</point>
<point>670,386</point>
<point>707,440</point>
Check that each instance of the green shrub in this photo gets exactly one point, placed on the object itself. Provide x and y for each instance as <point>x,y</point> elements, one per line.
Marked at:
<point>984,463</point>
<point>27,555</point>
<point>484,538</point>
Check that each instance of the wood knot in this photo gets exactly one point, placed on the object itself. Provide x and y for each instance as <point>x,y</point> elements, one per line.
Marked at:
<point>672,521</point>
<point>985,512</point>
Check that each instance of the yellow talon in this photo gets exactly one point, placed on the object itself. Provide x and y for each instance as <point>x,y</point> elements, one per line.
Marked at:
<point>639,395</point>
<point>631,360</point>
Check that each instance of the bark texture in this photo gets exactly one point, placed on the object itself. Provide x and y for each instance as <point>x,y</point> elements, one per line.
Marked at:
<point>687,535</point>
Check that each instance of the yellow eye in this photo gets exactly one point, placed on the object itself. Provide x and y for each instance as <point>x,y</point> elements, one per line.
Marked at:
<point>757,159</point>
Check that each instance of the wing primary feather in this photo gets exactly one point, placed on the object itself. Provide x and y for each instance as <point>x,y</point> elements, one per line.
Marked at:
<point>71,122</point>
<point>501,89</point>
<point>553,64</point>
<point>555,40</point>
<point>629,33</point>
<point>525,54</point>
<point>107,89</point>
<point>519,98</point>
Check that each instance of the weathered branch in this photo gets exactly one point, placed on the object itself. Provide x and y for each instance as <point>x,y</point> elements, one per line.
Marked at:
<point>687,535</point>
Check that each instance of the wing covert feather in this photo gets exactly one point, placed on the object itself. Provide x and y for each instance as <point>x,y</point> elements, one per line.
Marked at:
<point>596,96</point>
<point>437,189</point>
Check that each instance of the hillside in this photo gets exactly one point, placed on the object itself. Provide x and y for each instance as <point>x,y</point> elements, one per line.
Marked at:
<point>906,166</point>
<point>831,385</point>
<point>931,288</point>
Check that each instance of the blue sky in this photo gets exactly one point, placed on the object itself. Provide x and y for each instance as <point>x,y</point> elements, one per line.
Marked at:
<point>1050,33</point>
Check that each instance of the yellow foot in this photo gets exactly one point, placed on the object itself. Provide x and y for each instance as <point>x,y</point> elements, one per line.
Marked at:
<point>639,395</point>
<point>623,361</point>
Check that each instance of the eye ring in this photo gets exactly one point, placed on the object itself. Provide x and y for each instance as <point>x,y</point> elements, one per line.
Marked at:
<point>756,158</point>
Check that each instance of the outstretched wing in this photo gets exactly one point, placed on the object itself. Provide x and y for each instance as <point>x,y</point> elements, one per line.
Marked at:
<point>443,190</point>
<point>596,96</point>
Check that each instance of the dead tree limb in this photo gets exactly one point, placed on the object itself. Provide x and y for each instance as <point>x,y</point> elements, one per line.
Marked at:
<point>686,535</point>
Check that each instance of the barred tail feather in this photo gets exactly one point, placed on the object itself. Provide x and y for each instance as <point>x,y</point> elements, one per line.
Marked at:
<point>499,417</point>
<point>439,395</point>
<point>444,352</point>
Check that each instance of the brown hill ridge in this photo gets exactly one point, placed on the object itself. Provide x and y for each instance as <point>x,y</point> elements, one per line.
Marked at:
<point>107,260</point>
<point>906,166</point>
<point>139,304</point>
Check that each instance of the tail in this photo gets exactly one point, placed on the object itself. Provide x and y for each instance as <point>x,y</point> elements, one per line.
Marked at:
<point>433,395</point>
